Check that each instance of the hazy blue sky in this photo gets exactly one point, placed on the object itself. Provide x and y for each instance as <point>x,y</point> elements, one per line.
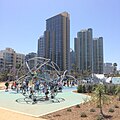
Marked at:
<point>22,22</point>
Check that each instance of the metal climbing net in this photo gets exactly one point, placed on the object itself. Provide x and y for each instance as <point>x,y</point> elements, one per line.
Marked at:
<point>40,79</point>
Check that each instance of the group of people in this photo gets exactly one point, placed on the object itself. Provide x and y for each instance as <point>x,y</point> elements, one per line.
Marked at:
<point>33,87</point>
<point>39,82</point>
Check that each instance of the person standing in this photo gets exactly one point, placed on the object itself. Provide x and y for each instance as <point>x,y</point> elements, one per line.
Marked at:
<point>6,86</point>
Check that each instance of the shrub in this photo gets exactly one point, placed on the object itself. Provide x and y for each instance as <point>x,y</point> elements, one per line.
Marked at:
<point>57,115</point>
<point>79,89</point>
<point>92,110</point>
<point>83,89</point>
<point>100,117</point>
<point>83,114</point>
<point>106,89</point>
<point>111,89</point>
<point>77,106</point>
<point>111,110</point>
<point>98,106</point>
<point>116,106</point>
<point>93,87</point>
<point>69,110</point>
<point>89,88</point>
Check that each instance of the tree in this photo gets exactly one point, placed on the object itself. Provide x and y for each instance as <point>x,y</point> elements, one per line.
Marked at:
<point>75,68</point>
<point>85,73</point>
<point>3,76</point>
<point>100,97</point>
<point>117,91</point>
<point>115,68</point>
<point>18,66</point>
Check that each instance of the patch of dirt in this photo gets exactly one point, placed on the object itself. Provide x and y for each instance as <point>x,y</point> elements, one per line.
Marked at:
<point>75,112</point>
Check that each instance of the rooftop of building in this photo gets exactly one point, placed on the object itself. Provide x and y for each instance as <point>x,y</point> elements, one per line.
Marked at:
<point>84,30</point>
<point>65,14</point>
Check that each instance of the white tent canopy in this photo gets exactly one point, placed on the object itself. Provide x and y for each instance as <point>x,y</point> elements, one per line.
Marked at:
<point>108,79</point>
<point>99,76</point>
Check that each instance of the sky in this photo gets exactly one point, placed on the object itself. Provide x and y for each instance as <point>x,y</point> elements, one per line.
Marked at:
<point>22,22</point>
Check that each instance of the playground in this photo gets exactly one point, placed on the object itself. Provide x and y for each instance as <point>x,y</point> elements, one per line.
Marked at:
<point>40,89</point>
<point>8,102</point>
<point>44,92</point>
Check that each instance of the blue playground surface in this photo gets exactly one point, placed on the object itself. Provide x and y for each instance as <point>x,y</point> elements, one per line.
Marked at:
<point>8,102</point>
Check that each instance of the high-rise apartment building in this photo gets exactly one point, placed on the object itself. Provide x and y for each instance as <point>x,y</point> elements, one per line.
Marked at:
<point>20,59</point>
<point>1,62</point>
<point>31,63</point>
<point>77,52</point>
<point>9,59</point>
<point>57,40</point>
<point>98,55</point>
<point>41,47</point>
<point>84,50</point>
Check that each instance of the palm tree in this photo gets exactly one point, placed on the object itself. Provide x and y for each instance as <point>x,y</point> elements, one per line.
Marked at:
<point>100,97</point>
<point>117,91</point>
<point>71,71</point>
<point>86,73</point>
<point>115,67</point>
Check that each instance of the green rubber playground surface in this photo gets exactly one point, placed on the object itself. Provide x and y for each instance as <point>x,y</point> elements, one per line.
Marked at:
<point>67,99</point>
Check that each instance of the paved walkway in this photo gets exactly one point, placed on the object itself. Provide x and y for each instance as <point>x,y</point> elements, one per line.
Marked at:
<point>8,102</point>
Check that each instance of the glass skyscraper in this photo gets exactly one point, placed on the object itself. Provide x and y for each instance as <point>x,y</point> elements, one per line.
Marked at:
<point>57,40</point>
<point>98,55</point>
